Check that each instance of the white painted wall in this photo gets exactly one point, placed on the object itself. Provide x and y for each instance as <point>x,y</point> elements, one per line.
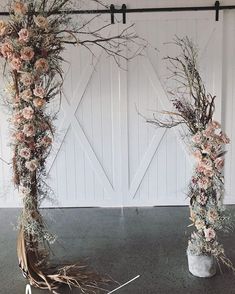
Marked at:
<point>105,154</point>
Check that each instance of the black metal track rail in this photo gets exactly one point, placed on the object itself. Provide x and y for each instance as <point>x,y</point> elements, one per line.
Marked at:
<point>124,10</point>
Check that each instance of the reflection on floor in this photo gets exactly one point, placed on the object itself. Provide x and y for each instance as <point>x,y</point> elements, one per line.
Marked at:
<point>124,243</point>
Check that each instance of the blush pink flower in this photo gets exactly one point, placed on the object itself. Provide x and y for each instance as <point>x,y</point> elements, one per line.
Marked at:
<point>206,163</point>
<point>44,126</point>
<point>209,234</point>
<point>197,138</point>
<point>27,53</point>
<point>39,102</point>
<point>41,65</point>
<point>20,136</point>
<point>200,168</point>
<point>25,153</point>
<point>24,35</point>
<point>209,131</point>
<point>203,183</point>
<point>208,173</point>
<point>31,165</point>
<point>41,21</point>
<point>16,63</point>
<point>39,91</point>
<point>207,147</point>
<point>26,95</point>
<point>29,130</point>
<point>27,79</point>
<point>199,224</point>
<point>31,144</point>
<point>7,50</point>
<point>3,28</point>
<point>17,118</point>
<point>225,139</point>
<point>19,7</point>
<point>219,163</point>
<point>215,125</point>
<point>197,154</point>
<point>46,141</point>
<point>28,113</point>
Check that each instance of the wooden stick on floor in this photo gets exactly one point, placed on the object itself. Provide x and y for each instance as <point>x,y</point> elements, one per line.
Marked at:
<point>28,290</point>
<point>124,284</point>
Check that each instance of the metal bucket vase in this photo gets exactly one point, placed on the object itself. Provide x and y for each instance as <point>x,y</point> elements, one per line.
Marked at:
<point>202,266</point>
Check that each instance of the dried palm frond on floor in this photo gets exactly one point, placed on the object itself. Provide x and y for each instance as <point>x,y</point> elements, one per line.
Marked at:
<point>34,266</point>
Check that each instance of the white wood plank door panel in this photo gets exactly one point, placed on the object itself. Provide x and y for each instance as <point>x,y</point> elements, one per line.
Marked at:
<point>84,165</point>
<point>228,111</point>
<point>159,164</point>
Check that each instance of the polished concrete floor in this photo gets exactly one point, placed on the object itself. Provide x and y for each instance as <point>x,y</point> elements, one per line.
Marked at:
<point>124,243</point>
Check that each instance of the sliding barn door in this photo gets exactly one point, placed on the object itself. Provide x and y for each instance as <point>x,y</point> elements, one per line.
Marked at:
<point>159,166</point>
<point>104,152</point>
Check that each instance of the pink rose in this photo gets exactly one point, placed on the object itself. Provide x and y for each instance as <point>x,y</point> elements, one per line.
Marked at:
<point>27,53</point>
<point>38,102</point>
<point>225,139</point>
<point>208,173</point>
<point>25,153</point>
<point>41,21</point>
<point>17,118</point>
<point>3,28</point>
<point>28,113</point>
<point>199,224</point>
<point>23,35</point>
<point>39,91</point>
<point>16,63</point>
<point>46,141</point>
<point>7,50</point>
<point>209,234</point>
<point>219,163</point>
<point>20,137</point>
<point>29,130</point>
<point>44,126</point>
<point>203,183</point>
<point>207,148</point>
<point>27,79</point>
<point>31,165</point>
<point>19,7</point>
<point>215,125</point>
<point>200,168</point>
<point>197,138</point>
<point>206,163</point>
<point>26,95</point>
<point>41,65</point>
<point>31,144</point>
<point>197,154</point>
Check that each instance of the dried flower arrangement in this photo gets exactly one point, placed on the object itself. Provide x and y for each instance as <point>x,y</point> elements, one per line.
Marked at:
<point>32,41</point>
<point>194,107</point>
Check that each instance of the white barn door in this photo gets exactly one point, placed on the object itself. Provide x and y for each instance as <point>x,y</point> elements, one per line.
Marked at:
<point>105,154</point>
<point>159,164</point>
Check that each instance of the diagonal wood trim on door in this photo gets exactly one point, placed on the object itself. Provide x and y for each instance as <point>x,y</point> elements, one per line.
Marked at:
<point>70,109</point>
<point>71,120</point>
<point>145,162</point>
<point>157,86</point>
<point>156,141</point>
